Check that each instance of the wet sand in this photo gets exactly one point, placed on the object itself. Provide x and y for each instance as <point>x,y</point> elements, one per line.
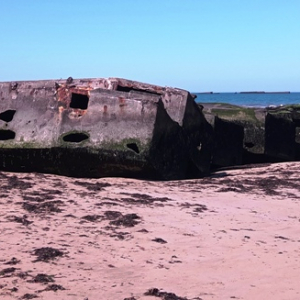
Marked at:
<point>234,235</point>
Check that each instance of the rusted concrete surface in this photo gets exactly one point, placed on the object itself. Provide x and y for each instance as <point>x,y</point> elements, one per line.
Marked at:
<point>102,127</point>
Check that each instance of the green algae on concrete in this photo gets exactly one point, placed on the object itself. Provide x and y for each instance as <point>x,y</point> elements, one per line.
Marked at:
<point>250,119</point>
<point>232,112</point>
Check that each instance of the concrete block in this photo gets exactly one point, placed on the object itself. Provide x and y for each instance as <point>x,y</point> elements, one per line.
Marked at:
<point>102,127</point>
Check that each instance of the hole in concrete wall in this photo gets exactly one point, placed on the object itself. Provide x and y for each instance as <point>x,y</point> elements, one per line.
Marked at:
<point>76,137</point>
<point>249,145</point>
<point>7,135</point>
<point>134,147</point>
<point>129,89</point>
<point>79,101</point>
<point>7,115</point>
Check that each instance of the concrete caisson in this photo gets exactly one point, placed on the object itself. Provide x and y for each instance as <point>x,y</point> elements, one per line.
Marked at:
<point>102,127</point>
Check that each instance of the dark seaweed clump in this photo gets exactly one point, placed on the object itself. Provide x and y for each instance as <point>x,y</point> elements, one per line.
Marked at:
<point>54,287</point>
<point>29,296</point>
<point>143,199</point>
<point>128,220</point>
<point>46,254</point>
<point>92,186</point>
<point>7,271</point>
<point>13,261</point>
<point>159,240</point>
<point>91,218</point>
<point>164,295</point>
<point>44,207</point>
<point>42,278</point>
<point>22,220</point>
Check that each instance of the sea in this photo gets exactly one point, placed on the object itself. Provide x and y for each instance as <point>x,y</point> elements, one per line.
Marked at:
<point>250,99</point>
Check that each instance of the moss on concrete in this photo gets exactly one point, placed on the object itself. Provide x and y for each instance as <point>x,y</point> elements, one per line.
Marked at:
<point>250,118</point>
<point>11,144</point>
<point>239,113</point>
<point>235,113</point>
<point>122,145</point>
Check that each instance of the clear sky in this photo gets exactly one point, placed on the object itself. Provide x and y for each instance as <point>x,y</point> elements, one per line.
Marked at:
<point>198,45</point>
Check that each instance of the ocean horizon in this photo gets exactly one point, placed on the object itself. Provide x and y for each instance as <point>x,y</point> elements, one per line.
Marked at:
<point>250,99</point>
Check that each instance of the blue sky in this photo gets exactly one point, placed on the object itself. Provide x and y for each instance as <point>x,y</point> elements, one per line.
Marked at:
<point>198,45</point>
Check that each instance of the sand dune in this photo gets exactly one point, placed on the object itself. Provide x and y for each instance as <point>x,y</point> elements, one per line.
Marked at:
<point>234,235</point>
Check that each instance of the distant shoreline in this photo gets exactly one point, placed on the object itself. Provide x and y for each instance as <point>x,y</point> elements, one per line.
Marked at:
<point>262,92</point>
<point>247,92</point>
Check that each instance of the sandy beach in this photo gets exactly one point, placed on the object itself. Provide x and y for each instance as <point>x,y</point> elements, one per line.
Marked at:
<point>233,235</point>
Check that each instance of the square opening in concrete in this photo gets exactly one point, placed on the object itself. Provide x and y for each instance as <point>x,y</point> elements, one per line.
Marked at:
<point>79,101</point>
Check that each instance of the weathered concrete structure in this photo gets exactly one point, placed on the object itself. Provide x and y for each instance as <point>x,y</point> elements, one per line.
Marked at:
<point>239,134</point>
<point>244,135</point>
<point>117,127</point>
<point>283,133</point>
<point>102,127</point>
